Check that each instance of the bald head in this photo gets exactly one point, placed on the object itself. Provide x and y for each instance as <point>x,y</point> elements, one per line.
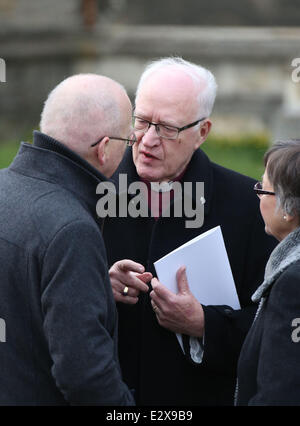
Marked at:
<point>83,108</point>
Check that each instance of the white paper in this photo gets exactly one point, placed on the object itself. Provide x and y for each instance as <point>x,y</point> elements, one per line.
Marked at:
<point>207,268</point>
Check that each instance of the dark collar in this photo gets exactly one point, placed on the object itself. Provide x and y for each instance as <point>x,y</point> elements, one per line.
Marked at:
<point>199,169</point>
<point>49,160</point>
<point>43,141</point>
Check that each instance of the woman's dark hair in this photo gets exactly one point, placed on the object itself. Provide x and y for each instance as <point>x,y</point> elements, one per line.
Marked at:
<point>282,162</point>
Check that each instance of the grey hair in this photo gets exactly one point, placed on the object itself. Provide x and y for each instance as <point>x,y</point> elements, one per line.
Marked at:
<point>200,75</point>
<point>282,162</point>
<point>72,117</point>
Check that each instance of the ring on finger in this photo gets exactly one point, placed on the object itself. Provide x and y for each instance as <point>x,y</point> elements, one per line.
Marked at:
<point>125,291</point>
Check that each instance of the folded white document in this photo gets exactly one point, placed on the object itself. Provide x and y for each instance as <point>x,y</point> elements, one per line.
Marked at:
<point>207,268</point>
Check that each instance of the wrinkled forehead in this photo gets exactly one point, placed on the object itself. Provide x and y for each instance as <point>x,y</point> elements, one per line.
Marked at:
<point>168,90</point>
<point>172,79</point>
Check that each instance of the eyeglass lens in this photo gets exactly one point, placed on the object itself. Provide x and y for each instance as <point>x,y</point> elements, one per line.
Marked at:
<point>161,130</point>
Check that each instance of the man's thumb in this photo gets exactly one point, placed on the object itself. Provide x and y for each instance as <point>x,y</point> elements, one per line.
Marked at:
<point>182,283</point>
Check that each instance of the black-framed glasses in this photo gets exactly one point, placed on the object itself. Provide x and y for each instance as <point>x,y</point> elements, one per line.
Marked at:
<point>259,191</point>
<point>163,130</point>
<point>129,141</point>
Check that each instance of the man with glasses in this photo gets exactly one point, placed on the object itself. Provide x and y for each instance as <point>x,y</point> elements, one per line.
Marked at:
<point>56,298</point>
<point>173,105</point>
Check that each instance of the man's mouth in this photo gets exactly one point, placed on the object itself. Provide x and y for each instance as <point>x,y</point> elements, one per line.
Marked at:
<point>148,155</point>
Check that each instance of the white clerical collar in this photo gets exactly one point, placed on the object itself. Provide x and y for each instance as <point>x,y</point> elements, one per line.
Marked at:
<point>162,186</point>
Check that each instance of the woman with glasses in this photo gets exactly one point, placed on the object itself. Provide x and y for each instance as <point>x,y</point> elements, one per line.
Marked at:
<point>269,364</point>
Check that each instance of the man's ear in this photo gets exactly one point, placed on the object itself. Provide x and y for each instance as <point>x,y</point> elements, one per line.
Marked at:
<point>101,150</point>
<point>203,131</point>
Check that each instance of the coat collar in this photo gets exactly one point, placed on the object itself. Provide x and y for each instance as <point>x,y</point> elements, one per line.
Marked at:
<point>48,159</point>
<point>285,254</point>
<point>199,169</point>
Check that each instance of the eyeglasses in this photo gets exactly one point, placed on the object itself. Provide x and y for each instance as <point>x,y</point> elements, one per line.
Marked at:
<point>129,141</point>
<point>259,191</point>
<point>162,130</point>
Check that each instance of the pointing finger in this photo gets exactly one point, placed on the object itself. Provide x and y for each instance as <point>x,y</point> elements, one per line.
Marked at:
<point>129,265</point>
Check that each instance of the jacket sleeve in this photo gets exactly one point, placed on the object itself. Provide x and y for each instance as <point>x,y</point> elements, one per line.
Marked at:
<point>278,373</point>
<point>80,318</point>
<point>226,328</point>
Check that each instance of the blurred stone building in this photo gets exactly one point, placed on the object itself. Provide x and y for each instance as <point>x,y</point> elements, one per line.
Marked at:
<point>249,45</point>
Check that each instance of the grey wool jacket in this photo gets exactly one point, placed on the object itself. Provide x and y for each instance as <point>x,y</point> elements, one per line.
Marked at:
<point>269,364</point>
<point>56,302</point>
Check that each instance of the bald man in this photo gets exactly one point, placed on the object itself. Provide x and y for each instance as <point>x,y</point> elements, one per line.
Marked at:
<point>56,300</point>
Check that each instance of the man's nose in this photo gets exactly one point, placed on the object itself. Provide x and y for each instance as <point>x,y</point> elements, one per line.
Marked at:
<point>150,137</point>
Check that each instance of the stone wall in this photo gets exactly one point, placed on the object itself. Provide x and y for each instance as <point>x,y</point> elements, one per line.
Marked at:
<point>30,16</point>
<point>252,66</point>
<point>203,12</point>
<point>43,42</point>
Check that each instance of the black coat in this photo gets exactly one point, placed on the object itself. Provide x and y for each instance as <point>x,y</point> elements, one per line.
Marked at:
<point>269,364</point>
<point>151,359</point>
<point>55,296</point>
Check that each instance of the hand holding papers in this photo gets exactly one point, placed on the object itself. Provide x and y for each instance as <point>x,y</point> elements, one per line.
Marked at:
<point>181,312</point>
<point>207,268</point>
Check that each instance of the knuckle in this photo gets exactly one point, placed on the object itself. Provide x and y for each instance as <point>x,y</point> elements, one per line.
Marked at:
<point>172,300</point>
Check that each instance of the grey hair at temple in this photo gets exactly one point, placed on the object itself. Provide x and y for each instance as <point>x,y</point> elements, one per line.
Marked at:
<point>282,163</point>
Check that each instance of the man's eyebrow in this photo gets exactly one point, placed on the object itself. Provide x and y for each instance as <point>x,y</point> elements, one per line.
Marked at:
<point>163,122</point>
<point>139,115</point>
<point>167,123</point>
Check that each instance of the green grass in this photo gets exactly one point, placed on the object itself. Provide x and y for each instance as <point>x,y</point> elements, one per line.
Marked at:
<point>246,160</point>
<point>245,155</point>
<point>7,153</point>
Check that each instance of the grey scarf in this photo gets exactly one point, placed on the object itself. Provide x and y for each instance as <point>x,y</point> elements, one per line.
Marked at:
<point>285,254</point>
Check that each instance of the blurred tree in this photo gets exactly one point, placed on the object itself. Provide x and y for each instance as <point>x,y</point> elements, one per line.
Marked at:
<point>90,11</point>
